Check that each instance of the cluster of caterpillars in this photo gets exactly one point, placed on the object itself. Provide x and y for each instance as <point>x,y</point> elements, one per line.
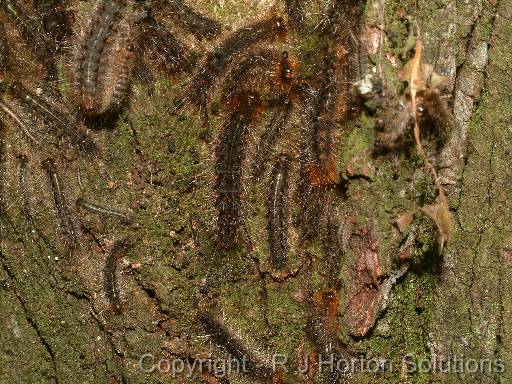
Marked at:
<point>262,91</point>
<point>98,58</point>
<point>260,86</point>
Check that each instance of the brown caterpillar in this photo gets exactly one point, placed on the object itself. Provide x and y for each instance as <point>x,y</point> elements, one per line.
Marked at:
<point>103,61</point>
<point>341,17</point>
<point>60,203</point>
<point>110,281</point>
<point>199,25</point>
<point>226,338</point>
<point>295,12</point>
<point>277,211</point>
<point>120,81</point>
<point>220,57</point>
<point>23,189</point>
<point>331,101</point>
<point>230,153</point>
<point>323,129</point>
<point>60,123</point>
<point>318,146</point>
<point>251,68</point>
<point>271,135</point>
<point>159,44</point>
<point>322,330</point>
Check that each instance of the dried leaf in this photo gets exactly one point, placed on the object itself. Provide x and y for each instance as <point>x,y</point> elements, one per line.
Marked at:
<point>440,213</point>
<point>404,221</point>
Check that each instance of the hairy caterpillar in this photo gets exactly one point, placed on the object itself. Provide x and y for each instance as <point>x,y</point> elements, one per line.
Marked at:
<point>102,210</point>
<point>251,67</point>
<point>160,45</point>
<point>220,57</point>
<point>199,25</point>
<point>19,122</point>
<point>276,213</point>
<point>23,189</point>
<point>322,330</point>
<point>323,129</point>
<point>228,168</point>
<point>318,165</point>
<point>60,203</point>
<point>271,134</point>
<point>120,79</point>
<point>93,58</point>
<point>57,119</point>
<point>225,337</point>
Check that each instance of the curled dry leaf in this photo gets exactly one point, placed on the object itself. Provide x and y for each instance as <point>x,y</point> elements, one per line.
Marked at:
<point>440,213</point>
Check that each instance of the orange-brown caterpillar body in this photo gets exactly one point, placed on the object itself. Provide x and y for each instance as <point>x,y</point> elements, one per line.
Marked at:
<point>250,70</point>
<point>324,130</point>
<point>159,44</point>
<point>322,330</point>
<point>217,61</point>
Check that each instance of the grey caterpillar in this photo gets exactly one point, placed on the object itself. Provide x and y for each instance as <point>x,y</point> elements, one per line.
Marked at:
<point>60,203</point>
<point>60,123</point>
<point>91,63</point>
<point>20,123</point>
<point>159,44</point>
<point>226,338</point>
<point>276,212</point>
<point>271,134</point>
<point>92,206</point>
